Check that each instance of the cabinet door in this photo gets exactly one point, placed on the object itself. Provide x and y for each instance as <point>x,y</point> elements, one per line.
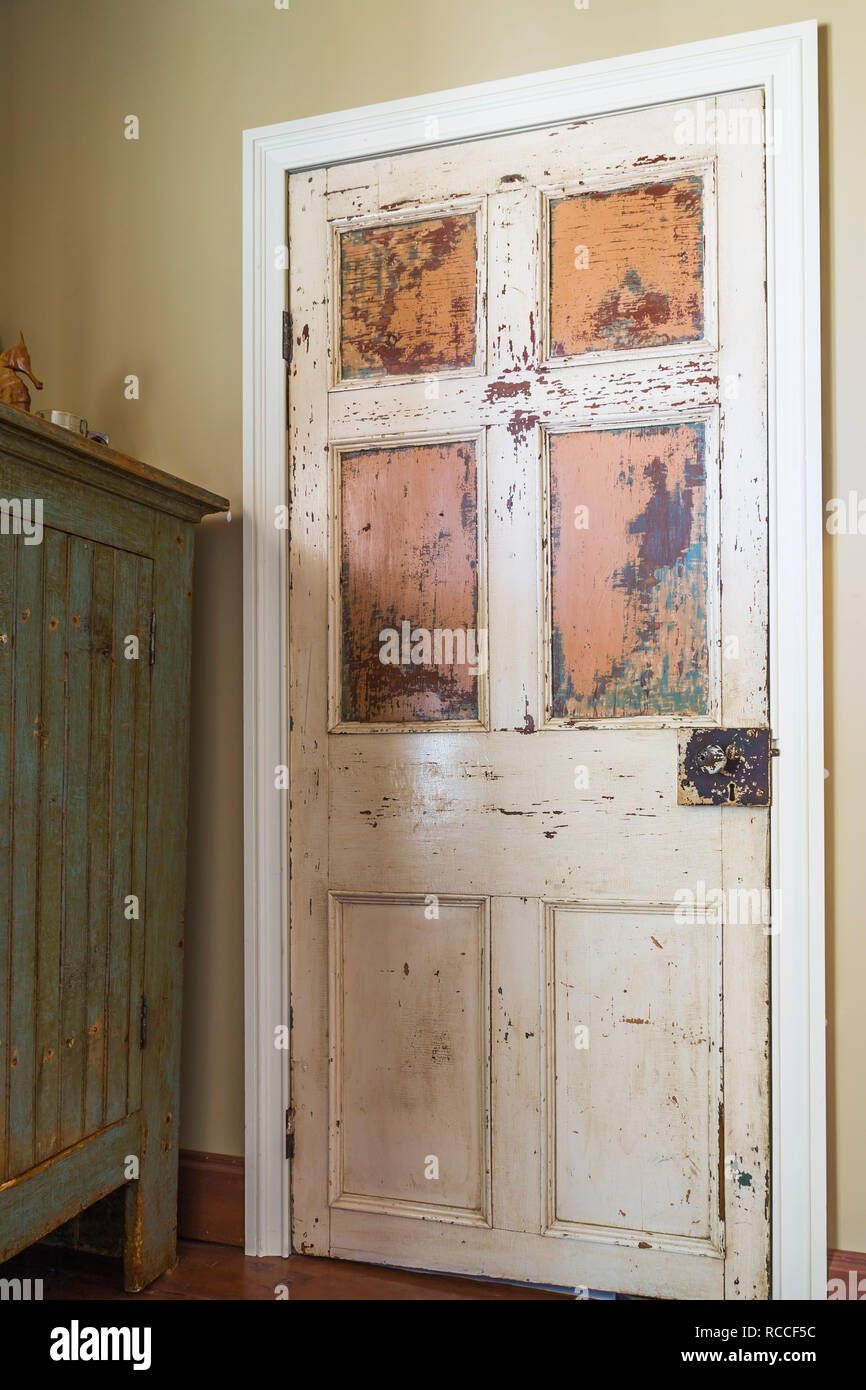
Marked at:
<point>75,683</point>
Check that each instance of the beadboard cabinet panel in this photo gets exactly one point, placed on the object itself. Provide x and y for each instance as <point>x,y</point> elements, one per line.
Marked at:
<point>95,612</point>
<point>79,781</point>
<point>74,796</point>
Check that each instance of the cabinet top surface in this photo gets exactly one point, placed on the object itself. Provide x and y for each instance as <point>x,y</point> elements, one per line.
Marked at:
<point>50,445</point>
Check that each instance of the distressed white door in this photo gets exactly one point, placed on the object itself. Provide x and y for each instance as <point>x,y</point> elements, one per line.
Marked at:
<point>528,551</point>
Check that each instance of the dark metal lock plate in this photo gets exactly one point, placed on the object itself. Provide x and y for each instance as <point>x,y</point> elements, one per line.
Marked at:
<point>724,767</point>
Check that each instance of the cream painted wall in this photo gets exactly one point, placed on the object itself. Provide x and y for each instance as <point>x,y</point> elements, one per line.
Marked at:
<point>125,257</point>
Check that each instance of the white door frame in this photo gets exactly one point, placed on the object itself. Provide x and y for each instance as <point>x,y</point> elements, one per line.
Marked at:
<point>783,61</point>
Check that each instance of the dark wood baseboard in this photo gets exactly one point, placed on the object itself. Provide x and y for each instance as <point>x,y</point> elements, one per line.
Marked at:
<point>849,1266</point>
<point>211,1198</point>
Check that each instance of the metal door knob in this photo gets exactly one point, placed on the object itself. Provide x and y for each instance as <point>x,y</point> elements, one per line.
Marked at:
<point>724,767</point>
<point>713,758</point>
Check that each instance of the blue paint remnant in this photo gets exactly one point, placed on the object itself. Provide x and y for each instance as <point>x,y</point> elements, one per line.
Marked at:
<point>637,314</point>
<point>630,312</point>
<point>671,562</point>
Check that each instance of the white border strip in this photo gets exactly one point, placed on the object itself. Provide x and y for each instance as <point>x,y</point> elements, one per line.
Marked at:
<point>784,62</point>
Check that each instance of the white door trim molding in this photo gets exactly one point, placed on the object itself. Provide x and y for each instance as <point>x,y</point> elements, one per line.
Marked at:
<point>783,62</point>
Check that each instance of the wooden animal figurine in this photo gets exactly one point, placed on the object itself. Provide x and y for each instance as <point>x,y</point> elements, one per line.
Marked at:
<point>12,389</point>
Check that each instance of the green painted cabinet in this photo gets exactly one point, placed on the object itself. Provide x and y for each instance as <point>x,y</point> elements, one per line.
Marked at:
<point>96,556</point>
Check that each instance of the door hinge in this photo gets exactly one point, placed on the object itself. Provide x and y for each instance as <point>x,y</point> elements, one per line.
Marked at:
<point>152,646</point>
<point>290,1133</point>
<point>142,1040</point>
<point>287,337</point>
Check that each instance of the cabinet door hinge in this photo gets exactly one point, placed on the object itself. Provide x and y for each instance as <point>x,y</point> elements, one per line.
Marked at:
<point>143,1029</point>
<point>287,337</point>
<point>290,1133</point>
<point>152,646</point>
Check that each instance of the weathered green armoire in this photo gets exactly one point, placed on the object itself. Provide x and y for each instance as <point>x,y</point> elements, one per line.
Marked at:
<point>96,558</point>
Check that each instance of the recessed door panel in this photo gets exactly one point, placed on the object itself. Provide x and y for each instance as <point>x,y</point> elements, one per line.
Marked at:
<point>629,572</point>
<point>413,639</point>
<point>627,267</point>
<point>410,1000</point>
<point>634,1066</point>
<point>408,297</point>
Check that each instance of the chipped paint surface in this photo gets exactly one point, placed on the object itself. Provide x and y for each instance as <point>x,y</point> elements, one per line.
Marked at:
<point>408,297</point>
<point>404,991</point>
<point>646,1167</point>
<point>629,591</point>
<point>573,835</point>
<point>409,554</point>
<point>642,281</point>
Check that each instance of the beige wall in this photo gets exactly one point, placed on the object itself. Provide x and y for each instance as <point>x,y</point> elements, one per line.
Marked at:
<point>126,257</point>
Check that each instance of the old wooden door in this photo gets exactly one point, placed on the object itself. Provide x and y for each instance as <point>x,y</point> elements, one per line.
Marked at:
<point>528,555</point>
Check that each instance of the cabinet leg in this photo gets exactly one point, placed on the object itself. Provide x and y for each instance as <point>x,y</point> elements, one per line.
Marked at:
<point>150,1225</point>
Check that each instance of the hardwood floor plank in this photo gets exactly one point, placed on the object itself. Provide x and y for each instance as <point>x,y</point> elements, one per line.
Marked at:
<point>216,1272</point>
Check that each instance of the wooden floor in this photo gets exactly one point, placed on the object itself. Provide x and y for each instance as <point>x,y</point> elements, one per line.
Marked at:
<point>223,1272</point>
